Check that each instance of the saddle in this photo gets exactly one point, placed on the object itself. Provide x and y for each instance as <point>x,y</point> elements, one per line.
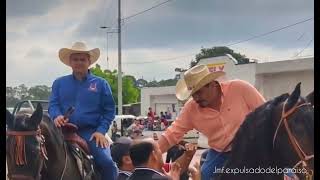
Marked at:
<point>69,131</point>
<point>80,151</point>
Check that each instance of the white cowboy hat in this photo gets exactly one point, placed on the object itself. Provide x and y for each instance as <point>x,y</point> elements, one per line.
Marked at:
<point>78,47</point>
<point>194,79</point>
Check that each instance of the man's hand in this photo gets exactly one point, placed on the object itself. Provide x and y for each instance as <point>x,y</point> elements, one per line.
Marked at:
<point>191,149</point>
<point>195,172</point>
<point>100,139</point>
<point>174,172</point>
<point>60,121</point>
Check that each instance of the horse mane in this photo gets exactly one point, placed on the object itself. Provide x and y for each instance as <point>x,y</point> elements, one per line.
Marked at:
<point>253,132</point>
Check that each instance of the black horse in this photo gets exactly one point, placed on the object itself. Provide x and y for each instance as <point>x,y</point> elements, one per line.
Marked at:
<point>277,135</point>
<point>36,149</point>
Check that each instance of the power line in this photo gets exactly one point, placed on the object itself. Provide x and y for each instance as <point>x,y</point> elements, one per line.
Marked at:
<point>270,32</point>
<point>157,5</point>
<point>304,48</point>
<point>232,44</point>
<point>161,60</point>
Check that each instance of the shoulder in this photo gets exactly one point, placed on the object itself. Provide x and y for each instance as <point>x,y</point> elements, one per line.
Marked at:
<point>97,78</point>
<point>122,176</point>
<point>62,79</point>
<point>238,83</point>
<point>190,104</point>
<point>100,81</point>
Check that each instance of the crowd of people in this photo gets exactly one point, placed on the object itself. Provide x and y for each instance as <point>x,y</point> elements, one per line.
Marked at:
<point>158,123</point>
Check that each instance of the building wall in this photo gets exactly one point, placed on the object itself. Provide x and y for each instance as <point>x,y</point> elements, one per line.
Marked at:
<point>275,84</point>
<point>150,96</point>
<point>271,79</point>
<point>242,71</point>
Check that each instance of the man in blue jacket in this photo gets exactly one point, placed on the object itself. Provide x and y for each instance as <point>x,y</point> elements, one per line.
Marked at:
<point>93,102</point>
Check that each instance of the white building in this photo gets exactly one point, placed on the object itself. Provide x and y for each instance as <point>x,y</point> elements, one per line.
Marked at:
<point>270,78</point>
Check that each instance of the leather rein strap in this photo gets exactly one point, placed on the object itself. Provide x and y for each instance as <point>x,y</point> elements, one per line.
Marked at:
<point>19,152</point>
<point>302,155</point>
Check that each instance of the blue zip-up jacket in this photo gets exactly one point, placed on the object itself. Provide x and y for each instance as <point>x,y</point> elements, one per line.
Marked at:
<point>91,98</point>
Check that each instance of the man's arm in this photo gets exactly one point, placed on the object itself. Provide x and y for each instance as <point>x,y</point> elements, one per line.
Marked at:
<point>251,95</point>
<point>54,105</point>
<point>175,132</point>
<point>108,109</point>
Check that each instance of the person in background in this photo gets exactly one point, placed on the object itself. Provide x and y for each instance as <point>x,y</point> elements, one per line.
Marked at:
<point>151,118</point>
<point>114,131</point>
<point>151,113</point>
<point>120,155</point>
<point>162,116</point>
<point>155,136</point>
<point>167,115</point>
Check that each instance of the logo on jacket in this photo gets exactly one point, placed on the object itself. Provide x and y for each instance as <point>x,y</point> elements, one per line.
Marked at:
<point>93,87</point>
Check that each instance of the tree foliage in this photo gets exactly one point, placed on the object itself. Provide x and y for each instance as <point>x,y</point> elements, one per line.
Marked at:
<point>130,93</point>
<point>22,92</point>
<point>219,51</point>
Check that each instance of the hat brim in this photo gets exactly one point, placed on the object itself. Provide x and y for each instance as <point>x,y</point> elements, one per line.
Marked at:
<point>182,91</point>
<point>64,55</point>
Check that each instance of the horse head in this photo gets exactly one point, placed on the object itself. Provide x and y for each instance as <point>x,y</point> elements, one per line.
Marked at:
<point>293,140</point>
<point>24,145</point>
<point>263,141</point>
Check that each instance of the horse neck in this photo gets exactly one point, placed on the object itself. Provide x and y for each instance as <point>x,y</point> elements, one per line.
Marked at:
<point>54,142</point>
<point>58,155</point>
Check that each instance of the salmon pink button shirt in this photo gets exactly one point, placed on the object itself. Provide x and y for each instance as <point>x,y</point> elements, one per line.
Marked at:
<point>238,99</point>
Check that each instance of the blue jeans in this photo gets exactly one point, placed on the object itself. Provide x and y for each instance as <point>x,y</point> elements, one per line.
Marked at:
<point>213,160</point>
<point>102,157</point>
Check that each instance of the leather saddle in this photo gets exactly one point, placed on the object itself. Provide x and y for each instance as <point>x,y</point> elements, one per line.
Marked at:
<point>69,131</point>
<point>80,151</point>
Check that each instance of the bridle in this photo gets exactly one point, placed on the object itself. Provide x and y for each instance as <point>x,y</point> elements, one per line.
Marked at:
<point>302,155</point>
<point>20,154</point>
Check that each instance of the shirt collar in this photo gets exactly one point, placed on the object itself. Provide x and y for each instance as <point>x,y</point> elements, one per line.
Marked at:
<point>148,169</point>
<point>89,74</point>
<point>222,87</point>
<point>125,172</point>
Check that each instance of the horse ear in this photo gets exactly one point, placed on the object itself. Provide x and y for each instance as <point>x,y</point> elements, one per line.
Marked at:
<point>9,119</point>
<point>294,97</point>
<point>310,98</point>
<point>36,116</point>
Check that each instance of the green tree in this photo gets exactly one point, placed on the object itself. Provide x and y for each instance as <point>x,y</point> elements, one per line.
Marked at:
<point>39,92</point>
<point>219,51</point>
<point>130,93</point>
<point>11,97</point>
<point>141,83</point>
<point>168,82</point>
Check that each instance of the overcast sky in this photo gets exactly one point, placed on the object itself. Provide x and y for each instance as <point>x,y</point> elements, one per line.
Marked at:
<point>172,33</point>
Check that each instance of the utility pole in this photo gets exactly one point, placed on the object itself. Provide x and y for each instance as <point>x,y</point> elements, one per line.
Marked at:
<point>107,52</point>
<point>119,61</point>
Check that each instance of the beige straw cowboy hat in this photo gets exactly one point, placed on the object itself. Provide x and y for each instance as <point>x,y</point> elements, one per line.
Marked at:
<point>78,47</point>
<point>194,79</point>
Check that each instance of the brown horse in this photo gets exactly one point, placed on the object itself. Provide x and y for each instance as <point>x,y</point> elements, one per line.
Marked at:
<point>36,149</point>
<point>275,137</point>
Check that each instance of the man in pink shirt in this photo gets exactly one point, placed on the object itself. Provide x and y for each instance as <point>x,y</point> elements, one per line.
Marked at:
<point>216,109</point>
